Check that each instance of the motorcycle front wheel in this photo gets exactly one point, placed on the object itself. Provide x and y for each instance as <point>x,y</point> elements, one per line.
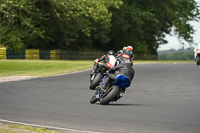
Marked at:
<point>198,60</point>
<point>96,81</point>
<point>93,99</point>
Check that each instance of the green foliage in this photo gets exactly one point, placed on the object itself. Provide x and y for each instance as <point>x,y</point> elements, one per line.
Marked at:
<point>10,38</point>
<point>144,24</point>
<point>94,24</point>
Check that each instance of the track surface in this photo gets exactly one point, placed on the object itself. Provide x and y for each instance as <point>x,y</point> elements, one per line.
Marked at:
<point>163,98</point>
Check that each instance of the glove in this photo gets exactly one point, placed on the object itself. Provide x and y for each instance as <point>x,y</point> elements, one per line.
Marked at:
<point>97,60</point>
<point>121,51</point>
<point>110,70</point>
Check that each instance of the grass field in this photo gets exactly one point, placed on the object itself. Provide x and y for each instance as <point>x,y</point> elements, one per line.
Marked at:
<point>40,67</point>
<point>14,128</point>
<point>52,67</point>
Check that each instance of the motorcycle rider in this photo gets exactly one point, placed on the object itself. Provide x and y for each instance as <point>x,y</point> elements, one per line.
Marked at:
<point>119,53</point>
<point>196,51</point>
<point>128,53</point>
<point>124,70</point>
<point>109,61</point>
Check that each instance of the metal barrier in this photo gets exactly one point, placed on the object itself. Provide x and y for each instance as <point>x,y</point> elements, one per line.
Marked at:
<point>52,55</point>
<point>13,55</point>
<point>64,55</point>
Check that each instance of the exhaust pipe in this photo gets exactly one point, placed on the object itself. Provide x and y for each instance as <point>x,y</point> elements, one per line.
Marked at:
<point>121,94</point>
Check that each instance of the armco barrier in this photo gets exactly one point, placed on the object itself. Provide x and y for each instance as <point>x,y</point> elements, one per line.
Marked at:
<point>2,53</point>
<point>64,55</point>
<point>32,54</point>
<point>10,54</point>
<point>45,54</point>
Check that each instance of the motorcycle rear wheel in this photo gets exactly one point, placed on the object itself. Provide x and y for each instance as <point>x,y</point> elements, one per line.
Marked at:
<point>108,97</point>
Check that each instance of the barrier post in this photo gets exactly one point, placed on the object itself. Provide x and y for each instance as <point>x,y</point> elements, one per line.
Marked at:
<point>2,53</point>
<point>32,54</point>
<point>55,54</point>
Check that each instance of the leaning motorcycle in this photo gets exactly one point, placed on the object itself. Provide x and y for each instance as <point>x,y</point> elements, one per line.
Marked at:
<point>97,76</point>
<point>114,90</point>
<point>198,58</point>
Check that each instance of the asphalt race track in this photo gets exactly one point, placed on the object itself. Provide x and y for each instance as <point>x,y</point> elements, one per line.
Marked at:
<point>163,98</point>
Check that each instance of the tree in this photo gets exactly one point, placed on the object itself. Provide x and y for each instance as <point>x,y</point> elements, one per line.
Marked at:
<point>58,23</point>
<point>95,24</point>
<point>144,24</point>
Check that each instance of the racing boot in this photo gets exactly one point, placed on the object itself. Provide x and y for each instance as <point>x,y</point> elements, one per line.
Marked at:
<point>105,82</point>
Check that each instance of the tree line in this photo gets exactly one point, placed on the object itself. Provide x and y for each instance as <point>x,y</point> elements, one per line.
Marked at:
<point>176,56</point>
<point>95,25</point>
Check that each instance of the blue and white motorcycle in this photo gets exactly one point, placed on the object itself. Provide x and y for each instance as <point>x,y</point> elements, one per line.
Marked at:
<point>114,90</point>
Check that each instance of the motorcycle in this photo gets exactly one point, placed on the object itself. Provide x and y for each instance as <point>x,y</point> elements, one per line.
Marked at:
<point>198,58</point>
<point>114,90</point>
<point>97,76</point>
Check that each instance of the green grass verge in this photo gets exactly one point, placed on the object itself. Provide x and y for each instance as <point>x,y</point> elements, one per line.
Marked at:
<point>29,128</point>
<point>7,131</point>
<point>52,67</point>
<point>40,67</point>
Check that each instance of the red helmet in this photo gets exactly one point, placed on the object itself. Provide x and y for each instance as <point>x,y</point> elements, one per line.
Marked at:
<point>130,48</point>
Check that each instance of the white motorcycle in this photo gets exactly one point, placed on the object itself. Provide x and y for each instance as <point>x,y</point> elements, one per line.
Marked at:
<point>197,57</point>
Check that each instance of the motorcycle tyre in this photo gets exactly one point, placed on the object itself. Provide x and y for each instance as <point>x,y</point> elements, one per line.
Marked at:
<point>110,96</point>
<point>96,81</point>
<point>93,99</point>
<point>198,60</point>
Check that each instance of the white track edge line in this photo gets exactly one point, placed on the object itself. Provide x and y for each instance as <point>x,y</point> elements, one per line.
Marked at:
<point>49,127</point>
<point>48,76</point>
<point>71,72</point>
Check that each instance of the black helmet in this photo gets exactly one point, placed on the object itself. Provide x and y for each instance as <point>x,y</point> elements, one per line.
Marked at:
<point>111,52</point>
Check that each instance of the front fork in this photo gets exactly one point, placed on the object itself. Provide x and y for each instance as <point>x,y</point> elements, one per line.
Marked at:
<point>98,95</point>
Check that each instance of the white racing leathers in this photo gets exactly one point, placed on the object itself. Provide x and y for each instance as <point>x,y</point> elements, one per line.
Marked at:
<point>112,60</point>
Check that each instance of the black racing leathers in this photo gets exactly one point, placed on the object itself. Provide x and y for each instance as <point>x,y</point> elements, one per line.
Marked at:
<point>125,69</point>
<point>104,58</point>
